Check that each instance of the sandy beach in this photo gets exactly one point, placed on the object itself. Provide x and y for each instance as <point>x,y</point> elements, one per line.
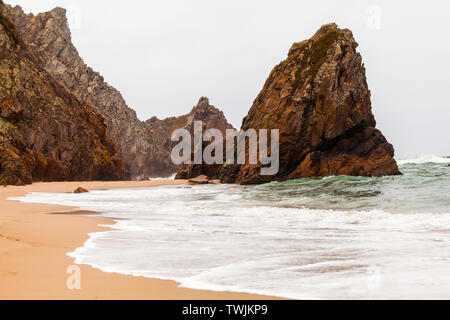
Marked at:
<point>34,243</point>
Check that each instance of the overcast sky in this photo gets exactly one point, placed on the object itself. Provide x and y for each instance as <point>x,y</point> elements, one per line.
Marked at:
<point>163,55</point>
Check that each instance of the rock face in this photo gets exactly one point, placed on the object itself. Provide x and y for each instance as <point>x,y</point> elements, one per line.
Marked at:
<point>48,37</point>
<point>161,130</point>
<point>143,145</point>
<point>46,133</point>
<point>319,100</point>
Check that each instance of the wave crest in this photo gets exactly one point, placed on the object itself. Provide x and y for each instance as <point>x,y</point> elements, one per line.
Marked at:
<point>428,158</point>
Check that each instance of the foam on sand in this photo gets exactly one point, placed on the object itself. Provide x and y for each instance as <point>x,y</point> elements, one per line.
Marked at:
<point>330,238</point>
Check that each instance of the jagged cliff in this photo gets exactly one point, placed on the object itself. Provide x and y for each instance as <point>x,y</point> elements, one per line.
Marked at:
<point>142,145</point>
<point>46,133</point>
<point>53,109</point>
<point>48,37</point>
<point>210,116</point>
<point>319,100</point>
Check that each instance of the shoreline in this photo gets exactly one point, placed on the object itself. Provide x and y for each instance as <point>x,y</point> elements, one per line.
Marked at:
<point>35,239</point>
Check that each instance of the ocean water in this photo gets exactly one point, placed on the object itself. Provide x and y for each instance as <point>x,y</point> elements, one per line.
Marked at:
<point>322,238</point>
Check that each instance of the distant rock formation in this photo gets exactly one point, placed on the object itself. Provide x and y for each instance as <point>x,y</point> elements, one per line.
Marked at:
<point>143,146</point>
<point>319,100</point>
<point>161,130</point>
<point>46,133</point>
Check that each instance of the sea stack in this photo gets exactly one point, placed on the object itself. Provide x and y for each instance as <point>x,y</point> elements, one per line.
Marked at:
<point>319,100</point>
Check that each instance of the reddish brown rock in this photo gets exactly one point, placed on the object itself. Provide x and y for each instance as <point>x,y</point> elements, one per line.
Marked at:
<point>48,38</point>
<point>46,133</point>
<point>199,180</point>
<point>319,100</point>
<point>81,190</point>
<point>161,130</point>
<point>144,146</point>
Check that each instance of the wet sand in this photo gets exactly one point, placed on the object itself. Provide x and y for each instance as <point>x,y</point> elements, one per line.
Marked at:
<point>34,244</point>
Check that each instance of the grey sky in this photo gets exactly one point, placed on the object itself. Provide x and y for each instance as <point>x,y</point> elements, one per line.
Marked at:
<point>163,55</point>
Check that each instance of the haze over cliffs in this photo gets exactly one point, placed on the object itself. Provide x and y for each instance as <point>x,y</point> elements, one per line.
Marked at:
<point>142,146</point>
<point>319,100</point>
<point>60,120</point>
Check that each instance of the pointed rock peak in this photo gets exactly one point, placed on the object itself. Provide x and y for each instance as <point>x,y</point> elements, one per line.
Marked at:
<point>59,11</point>
<point>203,100</point>
<point>58,16</point>
<point>210,115</point>
<point>47,25</point>
<point>324,29</point>
<point>319,101</point>
<point>324,38</point>
<point>202,105</point>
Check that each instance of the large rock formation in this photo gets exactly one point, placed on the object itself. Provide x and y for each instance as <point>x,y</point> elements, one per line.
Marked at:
<point>161,130</point>
<point>46,133</point>
<point>143,146</point>
<point>48,37</point>
<point>319,100</point>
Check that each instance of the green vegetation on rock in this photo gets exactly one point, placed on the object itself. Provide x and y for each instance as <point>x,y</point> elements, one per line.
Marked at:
<point>314,58</point>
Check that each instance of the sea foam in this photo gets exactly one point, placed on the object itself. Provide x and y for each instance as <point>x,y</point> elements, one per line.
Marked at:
<point>427,158</point>
<point>333,238</point>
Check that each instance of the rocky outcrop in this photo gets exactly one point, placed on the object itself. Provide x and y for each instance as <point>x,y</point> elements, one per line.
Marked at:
<point>199,180</point>
<point>319,100</point>
<point>81,190</point>
<point>143,145</point>
<point>46,133</point>
<point>210,116</point>
<point>202,180</point>
<point>48,37</point>
<point>161,130</point>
